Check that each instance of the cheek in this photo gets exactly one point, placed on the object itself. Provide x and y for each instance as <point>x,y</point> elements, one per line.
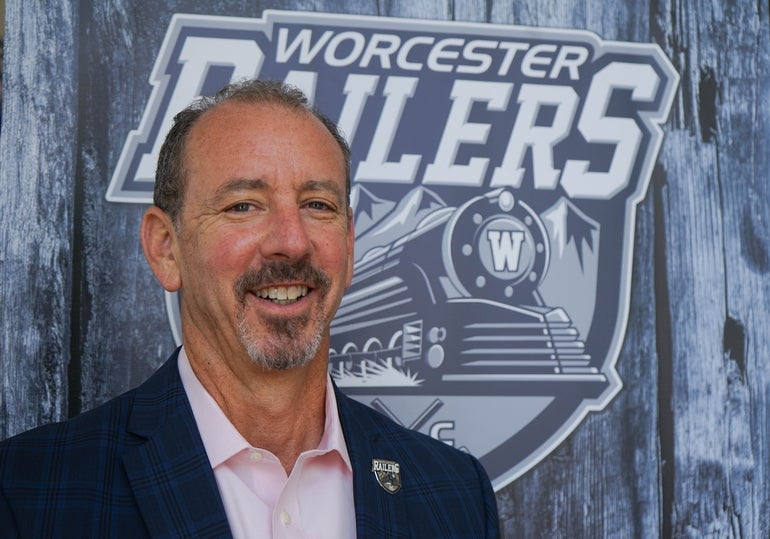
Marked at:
<point>227,254</point>
<point>338,261</point>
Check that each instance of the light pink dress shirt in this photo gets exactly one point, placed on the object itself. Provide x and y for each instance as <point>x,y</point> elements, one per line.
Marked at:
<point>315,500</point>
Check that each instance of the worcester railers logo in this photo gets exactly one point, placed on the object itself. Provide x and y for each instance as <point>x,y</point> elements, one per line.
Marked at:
<point>496,173</point>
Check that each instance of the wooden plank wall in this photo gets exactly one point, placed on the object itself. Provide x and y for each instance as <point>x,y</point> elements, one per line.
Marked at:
<point>681,452</point>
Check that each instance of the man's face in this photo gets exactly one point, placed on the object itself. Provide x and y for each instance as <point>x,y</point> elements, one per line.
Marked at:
<point>265,243</point>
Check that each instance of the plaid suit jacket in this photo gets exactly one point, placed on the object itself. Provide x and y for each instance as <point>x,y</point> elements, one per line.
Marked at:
<point>136,467</point>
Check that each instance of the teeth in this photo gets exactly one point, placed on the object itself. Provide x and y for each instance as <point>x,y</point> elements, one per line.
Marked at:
<point>283,294</point>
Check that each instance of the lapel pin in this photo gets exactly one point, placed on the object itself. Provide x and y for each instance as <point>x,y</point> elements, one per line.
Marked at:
<point>388,474</point>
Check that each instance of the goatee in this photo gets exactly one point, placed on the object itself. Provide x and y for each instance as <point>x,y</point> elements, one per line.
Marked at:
<point>286,342</point>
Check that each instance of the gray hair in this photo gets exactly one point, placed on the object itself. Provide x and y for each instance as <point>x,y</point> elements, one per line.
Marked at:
<point>171,171</point>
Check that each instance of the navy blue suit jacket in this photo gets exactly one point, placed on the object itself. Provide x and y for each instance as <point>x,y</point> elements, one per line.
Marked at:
<point>136,467</point>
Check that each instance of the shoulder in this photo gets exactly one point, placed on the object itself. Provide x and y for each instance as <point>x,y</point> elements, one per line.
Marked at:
<point>89,436</point>
<point>75,462</point>
<point>58,444</point>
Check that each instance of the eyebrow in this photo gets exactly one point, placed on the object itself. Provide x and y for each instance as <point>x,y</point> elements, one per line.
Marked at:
<point>327,186</point>
<point>239,184</point>
<point>256,184</point>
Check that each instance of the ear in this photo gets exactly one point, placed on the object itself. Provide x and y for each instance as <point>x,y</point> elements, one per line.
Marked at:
<point>158,236</point>
<point>351,246</point>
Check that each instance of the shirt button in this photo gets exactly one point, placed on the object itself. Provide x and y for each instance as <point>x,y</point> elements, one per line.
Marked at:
<point>285,518</point>
<point>255,456</point>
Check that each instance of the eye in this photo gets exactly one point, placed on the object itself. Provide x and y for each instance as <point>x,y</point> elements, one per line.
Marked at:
<point>319,205</point>
<point>240,207</point>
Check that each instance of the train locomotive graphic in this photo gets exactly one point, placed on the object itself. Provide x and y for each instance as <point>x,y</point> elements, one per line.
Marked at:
<point>449,300</point>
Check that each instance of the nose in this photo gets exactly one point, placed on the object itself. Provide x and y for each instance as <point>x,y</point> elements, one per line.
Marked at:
<point>285,236</point>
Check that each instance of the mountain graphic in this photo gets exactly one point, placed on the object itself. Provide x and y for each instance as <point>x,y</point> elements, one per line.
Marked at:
<point>572,278</point>
<point>368,208</point>
<point>418,211</point>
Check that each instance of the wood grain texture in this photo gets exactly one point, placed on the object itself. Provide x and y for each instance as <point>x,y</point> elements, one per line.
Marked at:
<point>715,235</point>
<point>37,159</point>
<point>682,451</point>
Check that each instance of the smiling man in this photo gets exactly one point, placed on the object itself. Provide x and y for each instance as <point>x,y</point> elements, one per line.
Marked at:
<point>242,432</point>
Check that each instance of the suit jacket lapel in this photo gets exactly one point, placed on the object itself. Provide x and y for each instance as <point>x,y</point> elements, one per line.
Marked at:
<point>168,469</point>
<point>378,512</point>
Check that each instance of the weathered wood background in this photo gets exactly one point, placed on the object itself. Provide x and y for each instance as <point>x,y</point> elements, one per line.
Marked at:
<point>681,452</point>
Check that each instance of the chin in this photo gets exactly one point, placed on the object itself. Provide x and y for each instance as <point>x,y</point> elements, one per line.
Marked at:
<point>282,355</point>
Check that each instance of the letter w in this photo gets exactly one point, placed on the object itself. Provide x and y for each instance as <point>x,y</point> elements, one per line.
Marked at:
<point>307,52</point>
<point>506,248</point>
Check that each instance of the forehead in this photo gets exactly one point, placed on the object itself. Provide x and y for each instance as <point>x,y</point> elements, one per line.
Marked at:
<point>247,139</point>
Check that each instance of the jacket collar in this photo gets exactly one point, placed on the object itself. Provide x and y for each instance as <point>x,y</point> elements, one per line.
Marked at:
<point>366,435</point>
<point>168,469</point>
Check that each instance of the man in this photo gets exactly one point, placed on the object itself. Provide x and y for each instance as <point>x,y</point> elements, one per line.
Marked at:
<point>241,432</point>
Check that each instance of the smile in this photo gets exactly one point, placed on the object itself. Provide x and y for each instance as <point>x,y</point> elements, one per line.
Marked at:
<point>282,295</point>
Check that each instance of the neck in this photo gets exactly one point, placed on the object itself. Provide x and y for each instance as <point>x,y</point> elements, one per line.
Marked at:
<point>280,411</point>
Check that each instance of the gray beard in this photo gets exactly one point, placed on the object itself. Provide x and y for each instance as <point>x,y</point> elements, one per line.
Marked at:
<point>285,347</point>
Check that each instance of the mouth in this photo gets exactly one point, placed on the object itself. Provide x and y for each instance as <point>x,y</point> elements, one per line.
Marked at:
<point>283,284</point>
<point>282,295</point>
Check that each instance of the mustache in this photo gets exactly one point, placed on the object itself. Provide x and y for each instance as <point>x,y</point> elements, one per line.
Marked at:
<point>275,272</point>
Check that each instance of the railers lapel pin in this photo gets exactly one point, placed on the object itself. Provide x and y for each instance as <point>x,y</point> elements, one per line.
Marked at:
<point>388,474</point>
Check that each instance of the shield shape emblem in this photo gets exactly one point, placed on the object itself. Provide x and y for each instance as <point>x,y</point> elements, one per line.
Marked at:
<point>496,172</point>
<point>388,474</point>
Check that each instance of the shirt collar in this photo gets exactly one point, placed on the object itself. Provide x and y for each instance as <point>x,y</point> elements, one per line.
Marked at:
<point>221,439</point>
